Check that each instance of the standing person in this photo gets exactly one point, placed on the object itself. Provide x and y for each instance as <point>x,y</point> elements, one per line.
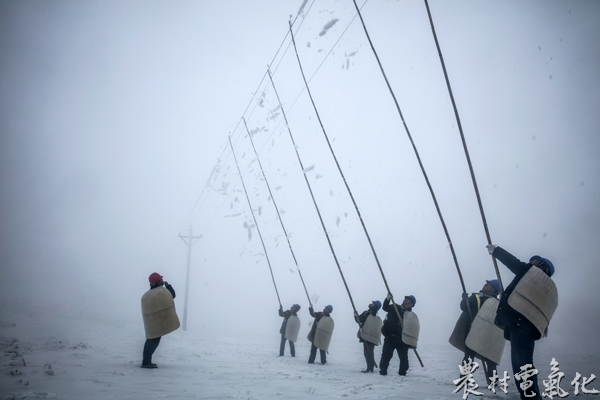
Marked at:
<point>394,336</point>
<point>369,332</point>
<point>320,333</point>
<point>487,336</point>
<point>289,328</point>
<point>160,317</point>
<point>524,312</point>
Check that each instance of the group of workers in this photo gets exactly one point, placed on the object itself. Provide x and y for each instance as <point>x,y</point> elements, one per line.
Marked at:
<point>370,330</point>
<point>521,316</point>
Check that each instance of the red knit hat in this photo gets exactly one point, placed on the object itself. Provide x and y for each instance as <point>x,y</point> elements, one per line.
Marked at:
<point>154,277</point>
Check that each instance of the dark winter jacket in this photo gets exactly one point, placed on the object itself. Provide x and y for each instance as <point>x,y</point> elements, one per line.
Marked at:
<point>476,300</point>
<point>362,318</point>
<point>506,316</point>
<point>285,315</point>
<point>392,327</point>
<point>313,329</point>
<point>168,286</point>
<point>473,302</point>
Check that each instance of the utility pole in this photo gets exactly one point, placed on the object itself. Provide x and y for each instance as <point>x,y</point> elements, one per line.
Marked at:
<point>190,241</point>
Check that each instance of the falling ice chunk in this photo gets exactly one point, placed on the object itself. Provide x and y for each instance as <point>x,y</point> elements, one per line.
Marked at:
<point>328,26</point>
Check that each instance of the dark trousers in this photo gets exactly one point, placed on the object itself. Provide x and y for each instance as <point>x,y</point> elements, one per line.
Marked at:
<point>390,344</point>
<point>521,353</point>
<point>489,364</point>
<point>282,347</point>
<point>313,355</point>
<point>369,350</point>
<point>149,348</point>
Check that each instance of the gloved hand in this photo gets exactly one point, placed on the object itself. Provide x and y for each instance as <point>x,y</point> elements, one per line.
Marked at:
<point>465,297</point>
<point>389,296</point>
<point>356,313</point>
<point>491,248</point>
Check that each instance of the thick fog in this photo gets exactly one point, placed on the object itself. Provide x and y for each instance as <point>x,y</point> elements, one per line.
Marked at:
<point>114,125</point>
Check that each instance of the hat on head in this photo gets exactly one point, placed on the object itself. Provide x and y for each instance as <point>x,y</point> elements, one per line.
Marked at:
<point>411,298</point>
<point>495,284</point>
<point>330,308</point>
<point>377,304</point>
<point>154,277</point>
<point>297,307</point>
<point>544,261</point>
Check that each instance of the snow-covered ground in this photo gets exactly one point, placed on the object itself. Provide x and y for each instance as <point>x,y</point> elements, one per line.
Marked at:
<point>51,354</point>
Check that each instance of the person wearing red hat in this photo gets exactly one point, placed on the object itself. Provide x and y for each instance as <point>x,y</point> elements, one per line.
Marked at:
<point>156,281</point>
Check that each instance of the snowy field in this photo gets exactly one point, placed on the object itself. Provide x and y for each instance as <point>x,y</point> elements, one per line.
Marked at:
<point>47,355</point>
<point>119,122</point>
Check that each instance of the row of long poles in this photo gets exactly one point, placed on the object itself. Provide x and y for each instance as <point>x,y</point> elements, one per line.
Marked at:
<point>255,222</point>
<point>311,191</point>
<point>287,237</point>
<point>346,183</point>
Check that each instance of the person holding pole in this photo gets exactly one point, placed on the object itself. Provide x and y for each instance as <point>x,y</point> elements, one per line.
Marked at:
<point>395,337</point>
<point>320,333</point>
<point>524,312</point>
<point>289,328</point>
<point>160,317</point>
<point>485,338</point>
<point>369,332</point>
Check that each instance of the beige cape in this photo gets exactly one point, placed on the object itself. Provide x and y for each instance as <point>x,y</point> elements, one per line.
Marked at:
<point>371,329</point>
<point>292,327</point>
<point>410,329</point>
<point>485,338</point>
<point>323,333</point>
<point>536,297</point>
<point>158,311</point>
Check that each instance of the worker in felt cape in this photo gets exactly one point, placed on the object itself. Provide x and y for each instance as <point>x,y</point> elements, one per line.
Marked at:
<point>289,328</point>
<point>400,333</point>
<point>160,317</point>
<point>320,333</point>
<point>525,311</point>
<point>475,333</point>
<point>369,332</point>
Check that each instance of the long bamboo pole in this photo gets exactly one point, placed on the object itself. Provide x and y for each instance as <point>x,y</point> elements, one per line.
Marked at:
<point>277,210</point>
<point>311,193</point>
<point>255,222</point>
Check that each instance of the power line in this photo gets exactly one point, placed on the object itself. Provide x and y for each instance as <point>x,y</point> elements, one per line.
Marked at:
<point>264,82</point>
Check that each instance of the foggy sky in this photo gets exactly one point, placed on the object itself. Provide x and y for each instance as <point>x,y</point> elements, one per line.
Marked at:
<point>114,126</point>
